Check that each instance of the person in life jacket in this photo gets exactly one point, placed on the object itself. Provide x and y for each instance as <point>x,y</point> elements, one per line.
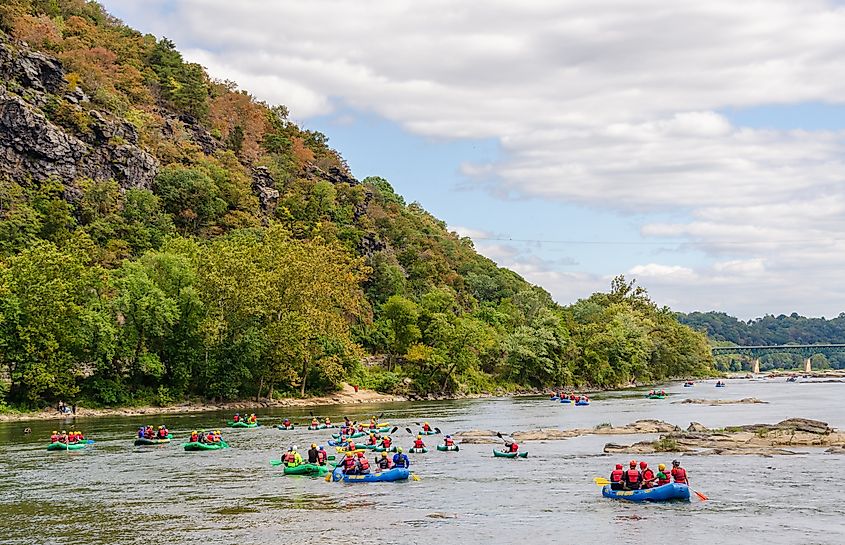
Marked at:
<point>63,437</point>
<point>322,456</point>
<point>372,439</point>
<point>292,458</point>
<point>54,438</point>
<point>384,461</point>
<point>328,421</point>
<point>448,441</point>
<point>148,433</point>
<point>315,422</point>
<point>373,425</point>
<point>194,436</point>
<point>400,459</point>
<point>236,418</point>
<point>648,475</point>
<point>679,474</point>
<point>162,432</point>
<point>386,442</point>
<point>616,478</point>
<point>350,445</point>
<point>662,476</point>
<point>141,432</point>
<point>252,419</point>
<point>419,442</point>
<point>346,421</point>
<point>313,457</point>
<point>362,464</point>
<point>286,422</point>
<point>360,428</point>
<point>632,478</point>
<point>426,427</point>
<point>349,465</point>
<point>511,447</point>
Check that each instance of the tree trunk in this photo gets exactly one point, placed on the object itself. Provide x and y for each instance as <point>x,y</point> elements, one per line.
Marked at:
<point>260,387</point>
<point>304,376</point>
<point>270,393</point>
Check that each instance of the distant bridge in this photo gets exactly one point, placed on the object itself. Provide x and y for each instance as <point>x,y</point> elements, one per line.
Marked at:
<point>806,350</point>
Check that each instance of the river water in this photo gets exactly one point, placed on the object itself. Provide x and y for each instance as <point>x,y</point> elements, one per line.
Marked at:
<point>114,493</point>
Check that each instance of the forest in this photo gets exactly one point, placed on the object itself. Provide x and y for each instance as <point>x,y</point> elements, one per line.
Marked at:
<point>251,263</point>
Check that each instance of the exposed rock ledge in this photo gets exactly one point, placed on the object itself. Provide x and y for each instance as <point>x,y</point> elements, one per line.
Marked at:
<point>551,434</point>
<point>743,401</point>
<point>755,439</point>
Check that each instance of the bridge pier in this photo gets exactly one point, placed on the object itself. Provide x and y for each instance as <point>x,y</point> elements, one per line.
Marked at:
<point>808,367</point>
<point>755,366</point>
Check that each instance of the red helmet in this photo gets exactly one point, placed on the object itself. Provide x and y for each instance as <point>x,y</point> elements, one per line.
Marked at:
<point>643,465</point>
<point>618,466</point>
<point>633,463</point>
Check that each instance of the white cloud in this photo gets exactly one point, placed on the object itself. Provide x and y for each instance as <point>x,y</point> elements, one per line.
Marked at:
<point>612,104</point>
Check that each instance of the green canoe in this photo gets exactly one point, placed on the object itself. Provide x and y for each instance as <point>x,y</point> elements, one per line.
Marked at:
<point>500,454</point>
<point>65,446</point>
<point>242,424</point>
<point>449,448</point>
<point>193,447</point>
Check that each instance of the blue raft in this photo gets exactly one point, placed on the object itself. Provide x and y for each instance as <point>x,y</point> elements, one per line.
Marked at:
<point>395,474</point>
<point>582,403</point>
<point>565,400</point>
<point>672,491</point>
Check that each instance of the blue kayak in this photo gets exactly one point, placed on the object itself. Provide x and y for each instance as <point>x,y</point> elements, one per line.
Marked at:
<point>672,491</point>
<point>395,474</point>
<point>582,403</point>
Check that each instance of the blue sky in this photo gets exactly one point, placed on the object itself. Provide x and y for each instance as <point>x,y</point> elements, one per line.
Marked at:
<point>701,151</point>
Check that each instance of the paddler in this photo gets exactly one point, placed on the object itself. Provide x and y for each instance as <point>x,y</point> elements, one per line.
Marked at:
<point>237,417</point>
<point>63,437</point>
<point>328,422</point>
<point>162,432</point>
<point>384,461</point>
<point>252,419</point>
<point>314,422</point>
<point>386,442</point>
<point>362,465</point>
<point>511,447</point>
<point>648,475</point>
<point>313,456</point>
<point>425,427</point>
<point>286,422</point>
<point>349,465</point>
<point>292,458</point>
<point>419,442</point>
<point>54,438</point>
<point>662,476</point>
<point>633,478</point>
<point>679,473</point>
<point>448,441</point>
<point>616,477</point>
<point>194,436</point>
<point>322,456</point>
<point>372,440</point>
<point>400,459</point>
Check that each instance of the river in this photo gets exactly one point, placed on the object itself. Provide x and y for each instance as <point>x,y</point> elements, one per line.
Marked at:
<point>114,493</point>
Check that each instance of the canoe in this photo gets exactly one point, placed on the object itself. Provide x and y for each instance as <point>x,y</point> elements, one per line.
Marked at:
<point>417,450</point>
<point>242,425</point>
<point>66,446</point>
<point>355,435</point>
<point>582,403</point>
<point>672,491</point>
<point>444,448</point>
<point>565,400</point>
<point>312,470</point>
<point>281,427</point>
<point>143,441</point>
<point>500,454</point>
<point>395,474</point>
<point>432,432</point>
<point>193,447</point>
<point>382,449</point>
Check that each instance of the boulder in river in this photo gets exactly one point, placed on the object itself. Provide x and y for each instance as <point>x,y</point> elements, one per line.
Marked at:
<point>744,401</point>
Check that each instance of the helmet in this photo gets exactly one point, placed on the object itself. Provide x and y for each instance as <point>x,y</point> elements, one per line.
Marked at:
<point>63,431</point>
<point>313,445</point>
<point>290,449</point>
<point>349,455</point>
<point>237,414</point>
<point>321,447</point>
<point>448,437</point>
<point>372,434</point>
<point>360,455</point>
<point>194,431</point>
<point>661,467</point>
<point>643,465</point>
<point>633,463</point>
<point>399,449</point>
<point>676,463</point>
<point>384,455</point>
<point>618,466</point>
<point>425,424</point>
<point>161,427</point>
<point>419,436</point>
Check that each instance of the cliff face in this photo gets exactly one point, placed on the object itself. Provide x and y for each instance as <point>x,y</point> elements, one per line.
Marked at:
<point>34,147</point>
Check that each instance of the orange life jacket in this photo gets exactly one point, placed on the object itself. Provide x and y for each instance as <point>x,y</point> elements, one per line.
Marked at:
<point>680,475</point>
<point>616,476</point>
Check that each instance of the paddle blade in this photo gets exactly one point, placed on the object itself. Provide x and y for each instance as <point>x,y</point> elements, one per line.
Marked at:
<point>331,457</point>
<point>701,496</point>
<point>437,430</point>
<point>328,477</point>
<point>408,430</point>
<point>601,481</point>
<point>415,477</point>
<point>394,429</point>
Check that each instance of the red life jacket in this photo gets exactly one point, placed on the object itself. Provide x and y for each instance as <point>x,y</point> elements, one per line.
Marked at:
<point>373,441</point>
<point>289,457</point>
<point>648,474</point>
<point>349,463</point>
<point>514,447</point>
<point>634,476</point>
<point>679,474</point>
<point>194,438</point>
<point>616,476</point>
<point>385,442</point>
<point>661,482</point>
<point>54,438</point>
<point>322,456</point>
<point>426,428</point>
<point>365,464</point>
<point>419,444</point>
<point>351,446</point>
<point>236,418</point>
<point>384,463</point>
<point>450,442</point>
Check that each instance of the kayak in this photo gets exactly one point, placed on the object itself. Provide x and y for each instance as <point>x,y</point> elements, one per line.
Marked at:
<point>672,491</point>
<point>242,425</point>
<point>142,441</point>
<point>66,446</point>
<point>500,454</point>
<point>312,470</point>
<point>193,447</point>
<point>418,450</point>
<point>721,385</point>
<point>355,435</point>
<point>565,400</point>
<point>449,448</point>
<point>382,449</point>
<point>342,450</point>
<point>395,474</point>
<point>687,385</point>
<point>383,429</point>
<point>321,427</point>
<point>431,432</point>
<point>281,427</point>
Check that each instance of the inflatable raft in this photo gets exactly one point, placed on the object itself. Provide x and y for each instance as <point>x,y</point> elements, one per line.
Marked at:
<point>657,396</point>
<point>500,454</point>
<point>281,427</point>
<point>582,403</point>
<point>66,446</point>
<point>413,450</point>
<point>193,447</point>
<point>672,491</point>
<point>143,441</point>
<point>444,448</point>
<point>242,424</point>
<point>395,474</point>
<point>312,470</point>
<point>565,400</point>
<point>431,432</point>
<point>382,449</point>
<point>355,435</point>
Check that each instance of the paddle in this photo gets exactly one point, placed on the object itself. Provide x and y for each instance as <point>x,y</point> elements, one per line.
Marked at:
<point>408,430</point>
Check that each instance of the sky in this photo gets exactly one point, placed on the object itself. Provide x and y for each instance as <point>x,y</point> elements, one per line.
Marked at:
<point>697,147</point>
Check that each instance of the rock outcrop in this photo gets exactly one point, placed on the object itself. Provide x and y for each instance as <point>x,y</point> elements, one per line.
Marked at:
<point>743,401</point>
